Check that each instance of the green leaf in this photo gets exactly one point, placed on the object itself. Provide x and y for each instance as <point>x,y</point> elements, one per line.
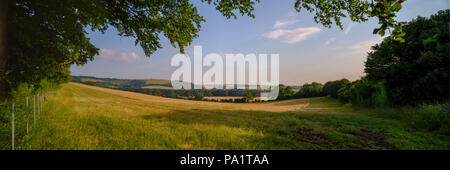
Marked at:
<point>396,7</point>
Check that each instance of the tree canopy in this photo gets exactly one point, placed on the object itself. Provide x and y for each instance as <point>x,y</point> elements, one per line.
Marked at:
<point>249,96</point>
<point>45,37</point>
<point>327,11</point>
<point>285,92</point>
<point>310,90</point>
<point>418,70</point>
<point>331,87</point>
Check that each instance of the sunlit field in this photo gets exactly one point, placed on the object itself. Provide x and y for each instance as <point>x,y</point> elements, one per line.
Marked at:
<point>157,87</point>
<point>222,98</point>
<point>87,117</point>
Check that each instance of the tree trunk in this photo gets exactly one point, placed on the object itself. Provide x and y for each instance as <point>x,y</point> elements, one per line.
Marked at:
<point>3,48</point>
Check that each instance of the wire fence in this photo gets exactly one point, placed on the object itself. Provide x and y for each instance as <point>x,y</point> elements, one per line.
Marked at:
<point>18,117</point>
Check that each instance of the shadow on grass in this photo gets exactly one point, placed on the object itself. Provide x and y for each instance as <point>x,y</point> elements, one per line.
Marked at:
<point>292,102</point>
<point>289,130</point>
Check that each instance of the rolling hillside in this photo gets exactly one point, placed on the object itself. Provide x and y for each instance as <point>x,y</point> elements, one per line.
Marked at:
<point>87,117</point>
<point>124,83</point>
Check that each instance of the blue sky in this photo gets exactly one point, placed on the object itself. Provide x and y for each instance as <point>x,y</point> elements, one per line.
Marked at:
<point>308,51</point>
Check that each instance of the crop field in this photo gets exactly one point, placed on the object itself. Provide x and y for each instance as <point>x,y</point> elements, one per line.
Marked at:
<point>158,87</point>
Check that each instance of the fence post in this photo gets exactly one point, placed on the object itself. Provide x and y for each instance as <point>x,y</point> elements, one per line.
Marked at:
<point>42,101</point>
<point>12,124</point>
<point>34,108</point>
<point>39,112</point>
<point>27,113</point>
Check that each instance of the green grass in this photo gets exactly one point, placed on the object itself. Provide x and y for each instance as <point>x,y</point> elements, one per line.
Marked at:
<point>87,118</point>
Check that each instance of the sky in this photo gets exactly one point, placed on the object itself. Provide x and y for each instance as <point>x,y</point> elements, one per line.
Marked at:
<point>307,51</point>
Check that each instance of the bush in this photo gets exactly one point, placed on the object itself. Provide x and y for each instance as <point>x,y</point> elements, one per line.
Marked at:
<point>249,96</point>
<point>365,93</point>
<point>310,90</point>
<point>344,95</point>
<point>199,96</point>
<point>285,92</point>
<point>331,88</point>
<point>22,90</point>
<point>368,93</point>
<point>432,118</point>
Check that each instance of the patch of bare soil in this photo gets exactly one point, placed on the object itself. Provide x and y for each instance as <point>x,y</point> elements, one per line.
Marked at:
<point>365,139</point>
<point>369,139</point>
<point>309,135</point>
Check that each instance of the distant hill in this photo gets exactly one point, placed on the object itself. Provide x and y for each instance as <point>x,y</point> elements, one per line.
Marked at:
<point>123,83</point>
<point>158,87</point>
<point>129,83</point>
<point>296,88</point>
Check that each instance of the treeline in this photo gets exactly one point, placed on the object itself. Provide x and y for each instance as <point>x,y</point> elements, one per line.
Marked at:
<point>200,94</point>
<point>360,92</point>
<point>192,93</point>
<point>313,89</point>
<point>116,83</point>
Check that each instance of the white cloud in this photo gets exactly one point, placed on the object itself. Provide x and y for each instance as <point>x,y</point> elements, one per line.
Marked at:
<point>330,40</point>
<point>293,35</point>
<point>279,24</point>
<point>363,47</point>
<point>106,53</point>
<point>129,57</point>
<point>349,27</point>
<point>111,55</point>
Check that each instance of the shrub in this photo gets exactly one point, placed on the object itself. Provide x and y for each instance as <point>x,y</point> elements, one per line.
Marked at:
<point>432,118</point>
<point>198,96</point>
<point>22,90</point>
<point>364,92</point>
<point>310,90</point>
<point>249,96</point>
<point>331,88</point>
<point>344,95</point>
<point>368,93</point>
